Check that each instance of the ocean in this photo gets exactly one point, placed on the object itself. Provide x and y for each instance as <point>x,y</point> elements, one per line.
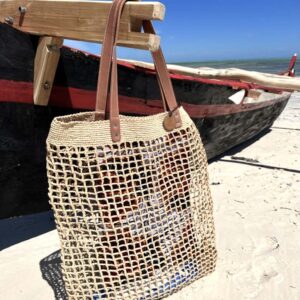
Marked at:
<point>274,66</point>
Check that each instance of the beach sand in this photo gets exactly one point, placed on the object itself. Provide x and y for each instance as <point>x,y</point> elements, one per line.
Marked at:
<point>256,192</point>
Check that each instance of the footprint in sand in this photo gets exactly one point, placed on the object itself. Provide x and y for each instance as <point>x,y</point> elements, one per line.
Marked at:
<point>253,278</point>
<point>266,246</point>
<point>262,269</point>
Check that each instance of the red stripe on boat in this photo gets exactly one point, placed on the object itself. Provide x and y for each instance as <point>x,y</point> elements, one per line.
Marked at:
<point>22,92</point>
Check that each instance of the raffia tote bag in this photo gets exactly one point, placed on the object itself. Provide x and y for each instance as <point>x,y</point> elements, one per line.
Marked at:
<point>130,195</point>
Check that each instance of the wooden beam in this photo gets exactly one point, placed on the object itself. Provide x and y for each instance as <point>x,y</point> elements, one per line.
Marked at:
<point>263,79</point>
<point>82,20</point>
<point>45,65</point>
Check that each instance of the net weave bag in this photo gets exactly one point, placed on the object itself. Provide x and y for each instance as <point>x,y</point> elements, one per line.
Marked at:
<point>130,195</point>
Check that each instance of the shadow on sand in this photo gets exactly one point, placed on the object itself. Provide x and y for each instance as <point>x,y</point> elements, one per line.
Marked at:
<point>51,272</point>
<point>19,229</point>
<point>240,161</point>
<point>249,162</point>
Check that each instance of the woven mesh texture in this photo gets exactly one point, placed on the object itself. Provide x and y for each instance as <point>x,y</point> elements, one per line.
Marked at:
<point>134,218</point>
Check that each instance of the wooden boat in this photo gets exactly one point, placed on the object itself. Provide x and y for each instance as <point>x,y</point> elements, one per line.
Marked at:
<point>226,109</point>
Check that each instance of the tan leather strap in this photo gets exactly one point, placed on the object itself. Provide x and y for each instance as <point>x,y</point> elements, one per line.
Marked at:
<point>162,72</point>
<point>114,88</point>
<point>108,69</point>
<point>106,57</point>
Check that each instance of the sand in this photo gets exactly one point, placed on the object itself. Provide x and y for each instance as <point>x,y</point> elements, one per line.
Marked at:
<point>256,192</point>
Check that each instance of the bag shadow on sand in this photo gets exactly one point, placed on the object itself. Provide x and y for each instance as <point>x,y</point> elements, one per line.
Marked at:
<point>51,272</point>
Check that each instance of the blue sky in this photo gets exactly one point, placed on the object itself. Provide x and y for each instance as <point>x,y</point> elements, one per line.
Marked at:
<point>199,30</point>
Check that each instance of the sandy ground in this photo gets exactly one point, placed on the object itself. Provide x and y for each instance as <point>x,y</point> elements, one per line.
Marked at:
<point>257,213</point>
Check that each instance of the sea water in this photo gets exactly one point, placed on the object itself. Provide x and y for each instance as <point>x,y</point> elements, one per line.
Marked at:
<point>274,66</point>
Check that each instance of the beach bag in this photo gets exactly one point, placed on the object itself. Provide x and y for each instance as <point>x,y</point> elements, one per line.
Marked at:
<point>130,195</point>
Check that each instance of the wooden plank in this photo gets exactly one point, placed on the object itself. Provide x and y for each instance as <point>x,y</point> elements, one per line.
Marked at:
<point>82,20</point>
<point>264,79</point>
<point>45,65</point>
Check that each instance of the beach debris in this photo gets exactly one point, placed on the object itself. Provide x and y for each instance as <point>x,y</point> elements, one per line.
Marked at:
<point>215,183</point>
<point>238,201</point>
<point>241,158</point>
<point>276,243</point>
<point>239,214</point>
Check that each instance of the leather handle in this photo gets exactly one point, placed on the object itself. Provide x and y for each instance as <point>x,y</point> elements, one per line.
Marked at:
<point>106,59</point>
<point>108,70</point>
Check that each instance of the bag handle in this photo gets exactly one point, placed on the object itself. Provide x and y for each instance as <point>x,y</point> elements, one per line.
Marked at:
<point>105,66</point>
<point>108,69</point>
<point>106,60</point>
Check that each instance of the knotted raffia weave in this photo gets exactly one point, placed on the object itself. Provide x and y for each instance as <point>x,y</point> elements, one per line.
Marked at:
<point>134,217</point>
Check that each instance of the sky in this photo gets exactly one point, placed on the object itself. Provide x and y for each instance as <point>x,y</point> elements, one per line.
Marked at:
<point>206,30</point>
